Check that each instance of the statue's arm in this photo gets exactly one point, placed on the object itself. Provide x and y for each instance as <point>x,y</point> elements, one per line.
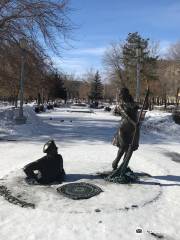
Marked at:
<point>129,119</point>
<point>31,167</point>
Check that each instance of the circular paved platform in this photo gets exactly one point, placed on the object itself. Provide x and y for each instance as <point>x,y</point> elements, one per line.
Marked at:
<point>114,198</point>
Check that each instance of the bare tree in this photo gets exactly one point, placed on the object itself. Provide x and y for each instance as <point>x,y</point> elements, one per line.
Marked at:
<point>169,76</point>
<point>173,52</point>
<point>72,85</point>
<point>35,20</point>
<point>84,90</point>
<point>113,61</point>
<point>36,68</point>
<point>173,55</point>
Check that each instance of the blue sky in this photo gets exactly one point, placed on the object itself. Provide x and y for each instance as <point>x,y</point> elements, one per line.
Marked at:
<point>100,22</point>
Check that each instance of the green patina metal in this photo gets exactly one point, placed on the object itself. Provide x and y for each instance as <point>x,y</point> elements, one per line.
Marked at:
<point>79,190</point>
<point>116,177</point>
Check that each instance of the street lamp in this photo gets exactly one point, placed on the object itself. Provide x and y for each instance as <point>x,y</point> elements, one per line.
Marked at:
<point>138,68</point>
<point>139,50</point>
<point>21,119</point>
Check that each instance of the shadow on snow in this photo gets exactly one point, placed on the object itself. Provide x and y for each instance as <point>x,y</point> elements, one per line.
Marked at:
<point>67,129</point>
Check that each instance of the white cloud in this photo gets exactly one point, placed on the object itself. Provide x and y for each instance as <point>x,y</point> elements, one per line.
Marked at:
<point>77,66</point>
<point>163,47</point>
<point>91,51</point>
<point>79,61</point>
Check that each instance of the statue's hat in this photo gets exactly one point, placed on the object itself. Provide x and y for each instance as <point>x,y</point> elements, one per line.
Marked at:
<point>124,91</point>
<point>49,146</point>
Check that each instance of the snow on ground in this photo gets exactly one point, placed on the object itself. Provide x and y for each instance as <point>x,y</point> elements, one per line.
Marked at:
<point>84,140</point>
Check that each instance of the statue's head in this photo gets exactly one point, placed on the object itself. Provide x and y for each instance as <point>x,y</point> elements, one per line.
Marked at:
<point>50,147</point>
<point>125,95</point>
<point>124,91</point>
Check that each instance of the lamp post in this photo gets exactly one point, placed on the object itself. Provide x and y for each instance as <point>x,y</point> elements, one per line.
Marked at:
<point>21,119</point>
<point>139,50</point>
<point>138,68</point>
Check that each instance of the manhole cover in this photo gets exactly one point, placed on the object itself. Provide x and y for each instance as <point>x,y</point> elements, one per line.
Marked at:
<point>79,190</point>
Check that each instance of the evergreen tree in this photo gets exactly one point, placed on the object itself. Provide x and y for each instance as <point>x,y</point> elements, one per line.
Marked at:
<point>136,50</point>
<point>57,89</point>
<point>96,93</point>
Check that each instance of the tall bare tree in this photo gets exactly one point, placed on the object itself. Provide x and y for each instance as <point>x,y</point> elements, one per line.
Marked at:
<point>36,20</point>
<point>173,52</point>
<point>170,77</point>
<point>84,90</point>
<point>44,23</point>
<point>113,61</point>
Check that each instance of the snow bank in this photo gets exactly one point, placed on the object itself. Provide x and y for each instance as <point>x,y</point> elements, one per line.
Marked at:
<point>8,126</point>
<point>6,120</point>
<point>161,123</point>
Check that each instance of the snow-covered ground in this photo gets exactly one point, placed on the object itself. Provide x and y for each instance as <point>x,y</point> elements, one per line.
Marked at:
<point>84,140</point>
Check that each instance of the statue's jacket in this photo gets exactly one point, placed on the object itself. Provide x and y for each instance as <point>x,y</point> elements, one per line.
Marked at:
<point>50,168</point>
<point>125,132</point>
